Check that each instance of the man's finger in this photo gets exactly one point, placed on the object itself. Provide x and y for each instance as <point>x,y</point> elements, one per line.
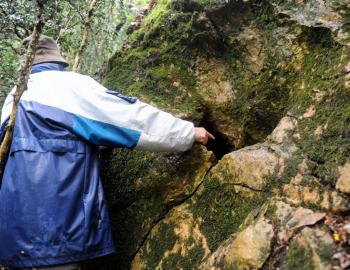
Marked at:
<point>211,136</point>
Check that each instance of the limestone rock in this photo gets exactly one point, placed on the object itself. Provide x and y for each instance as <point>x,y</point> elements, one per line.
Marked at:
<point>255,57</point>
<point>283,130</point>
<point>319,14</point>
<point>289,220</point>
<point>251,166</point>
<point>243,69</point>
<point>310,112</point>
<point>214,86</point>
<point>343,182</point>
<point>325,199</point>
<point>248,250</point>
<point>283,211</point>
<point>212,214</point>
<point>252,246</point>
<point>184,182</point>
<point>216,90</point>
<point>177,240</point>
<point>157,182</point>
<point>302,217</point>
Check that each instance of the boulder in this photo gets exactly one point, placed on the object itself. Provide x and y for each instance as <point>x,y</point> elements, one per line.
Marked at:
<point>271,80</point>
<point>251,166</point>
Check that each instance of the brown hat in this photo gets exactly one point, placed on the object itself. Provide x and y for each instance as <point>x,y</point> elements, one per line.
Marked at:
<point>47,50</point>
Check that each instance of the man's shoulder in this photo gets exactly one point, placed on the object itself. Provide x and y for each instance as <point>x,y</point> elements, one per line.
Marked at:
<point>64,84</point>
<point>66,75</point>
<point>63,79</point>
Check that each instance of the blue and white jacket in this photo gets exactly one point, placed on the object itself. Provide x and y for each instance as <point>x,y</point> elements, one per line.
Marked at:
<point>52,206</point>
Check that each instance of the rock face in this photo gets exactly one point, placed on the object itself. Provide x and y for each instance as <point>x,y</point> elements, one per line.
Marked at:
<point>271,80</point>
<point>248,250</point>
<point>249,166</point>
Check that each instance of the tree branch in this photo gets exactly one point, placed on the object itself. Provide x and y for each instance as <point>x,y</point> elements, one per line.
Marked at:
<point>84,40</point>
<point>65,27</point>
<point>21,86</point>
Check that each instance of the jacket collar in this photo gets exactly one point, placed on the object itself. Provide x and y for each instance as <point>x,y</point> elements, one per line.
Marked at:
<point>47,66</point>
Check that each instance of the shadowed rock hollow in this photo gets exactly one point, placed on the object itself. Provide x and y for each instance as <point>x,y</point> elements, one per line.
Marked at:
<point>271,80</point>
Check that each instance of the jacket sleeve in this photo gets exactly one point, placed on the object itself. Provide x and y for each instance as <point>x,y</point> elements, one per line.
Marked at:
<point>111,119</point>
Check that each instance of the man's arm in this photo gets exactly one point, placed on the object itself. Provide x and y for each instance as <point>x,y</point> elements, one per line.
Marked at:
<point>110,120</point>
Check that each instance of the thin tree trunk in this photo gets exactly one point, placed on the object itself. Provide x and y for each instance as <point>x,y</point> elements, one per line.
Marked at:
<point>62,30</point>
<point>21,85</point>
<point>85,37</point>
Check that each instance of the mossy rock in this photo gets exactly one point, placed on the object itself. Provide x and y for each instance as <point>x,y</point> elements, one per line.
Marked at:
<point>191,231</point>
<point>236,67</point>
<point>181,42</point>
<point>143,186</point>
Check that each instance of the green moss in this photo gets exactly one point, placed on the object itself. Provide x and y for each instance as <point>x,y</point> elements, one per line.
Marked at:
<point>189,261</point>
<point>223,210</point>
<point>156,65</point>
<point>332,114</point>
<point>236,266</point>
<point>271,214</point>
<point>298,258</point>
<point>320,74</point>
<point>326,252</point>
<point>156,14</point>
<point>158,244</point>
<point>131,225</point>
<point>263,92</point>
<point>162,242</point>
<point>137,183</point>
<point>163,79</point>
<point>120,169</point>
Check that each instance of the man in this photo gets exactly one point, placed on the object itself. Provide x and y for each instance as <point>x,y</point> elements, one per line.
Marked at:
<point>53,212</point>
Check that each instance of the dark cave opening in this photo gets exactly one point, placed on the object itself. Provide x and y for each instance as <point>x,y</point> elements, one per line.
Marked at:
<point>220,146</point>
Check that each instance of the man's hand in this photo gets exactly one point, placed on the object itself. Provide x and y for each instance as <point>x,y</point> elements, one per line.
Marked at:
<point>202,135</point>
